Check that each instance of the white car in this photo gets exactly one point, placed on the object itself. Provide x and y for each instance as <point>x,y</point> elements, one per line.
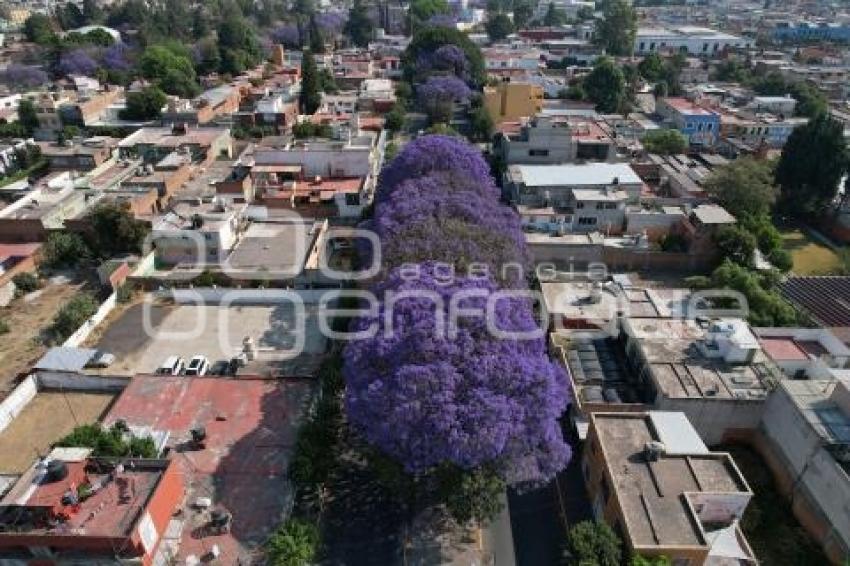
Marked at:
<point>173,365</point>
<point>101,359</point>
<point>198,365</point>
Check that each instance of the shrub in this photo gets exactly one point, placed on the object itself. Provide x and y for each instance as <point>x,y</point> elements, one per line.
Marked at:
<point>71,316</point>
<point>594,543</point>
<point>25,282</point>
<point>293,544</point>
<point>64,249</point>
<point>108,442</point>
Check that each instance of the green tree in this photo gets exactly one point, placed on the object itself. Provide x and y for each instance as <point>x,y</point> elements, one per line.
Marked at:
<point>523,12</point>
<point>422,10</point>
<point>766,306</point>
<point>145,104</point>
<point>499,26</point>
<point>811,166</point>
<point>554,16</point>
<point>605,86</point>
<point>638,560</point>
<point>394,120</point>
<point>310,98</point>
<point>38,29</point>
<point>171,69</point>
<point>72,315</point>
<point>92,12</point>
<point>471,495</point>
<point>617,29</point>
<point>652,67</point>
<point>771,84</point>
<point>480,124</point>
<point>745,187</point>
<point>65,249</point>
<point>730,70</point>
<point>594,543</point>
<point>293,544</point>
<point>810,101</point>
<point>429,39</point>
<point>359,27</point>
<point>27,115</point>
<point>238,42</point>
<point>115,230</point>
<point>736,244</point>
<point>25,282</point>
<point>109,442</point>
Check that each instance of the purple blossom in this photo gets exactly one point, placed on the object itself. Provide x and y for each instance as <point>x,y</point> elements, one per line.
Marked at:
<point>444,89</point>
<point>116,58</point>
<point>77,62</point>
<point>426,396</point>
<point>437,154</point>
<point>331,22</point>
<point>448,59</point>
<point>288,35</point>
<point>23,75</point>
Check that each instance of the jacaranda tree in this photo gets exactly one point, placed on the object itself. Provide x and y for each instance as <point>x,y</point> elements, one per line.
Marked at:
<point>439,95</point>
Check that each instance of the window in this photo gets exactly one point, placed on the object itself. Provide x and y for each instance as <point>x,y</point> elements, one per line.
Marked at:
<point>610,205</point>
<point>600,206</point>
<point>538,152</point>
<point>704,47</point>
<point>579,205</point>
<point>587,221</point>
<point>642,45</point>
<point>652,46</point>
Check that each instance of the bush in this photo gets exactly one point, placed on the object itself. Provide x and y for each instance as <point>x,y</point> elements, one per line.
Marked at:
<point>73,315</point>
<point>63,249</point>
<point>594,543</point>
<point>126,292</point>
<point>25,282</point>
<point>665,142</point>
<point>293,544</point>
<point>108,442</point>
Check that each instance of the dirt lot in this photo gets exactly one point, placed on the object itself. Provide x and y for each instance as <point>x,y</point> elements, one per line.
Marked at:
<point>28,317</point>
<point>47,418</point>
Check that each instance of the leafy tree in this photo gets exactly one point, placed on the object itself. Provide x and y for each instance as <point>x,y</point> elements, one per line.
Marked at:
<point>293,544</point>
<point>810,101</point>
<point>766,306</point>
<point>171,69</point>
<point>736,244</point>
<point>499,26</point>
<point>239,45</point>
<point>481,124</point>
<point>317,40</point>
<point>811,166</point>
<point>745,187</point>
<point>72,315</point>
<point>605,86</point>
<point>27,115</point>
<point>38,29</point>
<point>660,90</point>
<point>92,12</point>
<point>310,98</point>
<point>439,94</point>
<point>422,10</point>
<point>523,12</point>
<point>65,249</point>
<point>115,230</point>
<point>145,104</point>
<point>359,27</point>
<point>554,16</point>
<point>652,67</point>
<point>730,70</point>
<point>590,542</point>
<point>394,120</point>
<point>771,84</point>
<point>471,495</point>
<point>665,141</point>
<point>638,560</point>
<point>311,130</point>
<point>617,29</point>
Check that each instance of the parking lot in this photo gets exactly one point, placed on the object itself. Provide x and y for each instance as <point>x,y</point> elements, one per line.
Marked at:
<point>146,334</point>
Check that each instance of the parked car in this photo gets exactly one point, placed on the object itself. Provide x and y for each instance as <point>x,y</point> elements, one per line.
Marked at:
<point>101,359</point>
<point>198,365</point>
<point>221,367</point>
<point>173,365</point>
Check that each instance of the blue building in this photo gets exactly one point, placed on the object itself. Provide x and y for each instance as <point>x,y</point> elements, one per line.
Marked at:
<point>700,125</point>
<point>811,31</point>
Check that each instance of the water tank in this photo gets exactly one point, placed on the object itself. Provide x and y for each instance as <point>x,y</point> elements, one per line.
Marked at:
<point>57,470</point>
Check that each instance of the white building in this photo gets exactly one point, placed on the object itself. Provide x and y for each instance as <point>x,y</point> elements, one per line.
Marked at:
<point>699,41</point>
<point>197,232</point>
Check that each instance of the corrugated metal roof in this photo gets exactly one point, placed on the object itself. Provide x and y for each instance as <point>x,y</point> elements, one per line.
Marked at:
<point>826,298</point>
<point>60,358</point>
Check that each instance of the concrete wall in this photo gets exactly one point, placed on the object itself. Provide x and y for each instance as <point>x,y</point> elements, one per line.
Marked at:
<point>17,400</point>
<point>716,419</point>
<point>218,295</point>
<point>78,382</point>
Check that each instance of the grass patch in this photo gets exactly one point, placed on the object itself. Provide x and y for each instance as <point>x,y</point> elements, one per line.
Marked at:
<point>769,525</point>
<point>810,256</point>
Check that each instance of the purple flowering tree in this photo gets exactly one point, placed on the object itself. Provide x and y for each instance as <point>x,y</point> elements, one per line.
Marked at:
<point>27,76</point>
<point>442,20</point>
<point>445,195</point>
<point>431,154</point>
<point>288,35</point>
<point>77,62</point>
<point>331,23</point>
<point>429,395</point>
<point>439,95</point>
<point>117,58</point>
<point>445,60</point>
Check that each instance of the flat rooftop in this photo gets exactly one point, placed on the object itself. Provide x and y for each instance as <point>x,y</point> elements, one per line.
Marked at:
<point>49,416</point>
<point>275,248</point>
<point>577,300</point>
<point>587,174</point>
<point>165,137</point>
<point>251,427</point>
<point>652,494</point>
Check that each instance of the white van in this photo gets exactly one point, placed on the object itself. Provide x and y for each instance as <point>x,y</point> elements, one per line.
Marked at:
<point>173,365</point>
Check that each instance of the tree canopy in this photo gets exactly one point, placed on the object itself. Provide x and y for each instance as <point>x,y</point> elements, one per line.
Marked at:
<point>605,86</point>
<point>428,40</point>
<point>311,97</point>
<point>499,26</point>
<point>665,141</point>
<point>617,29</point>
<point>745,187</point>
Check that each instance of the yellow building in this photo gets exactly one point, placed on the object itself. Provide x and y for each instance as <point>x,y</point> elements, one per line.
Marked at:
<point>512,101</point>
